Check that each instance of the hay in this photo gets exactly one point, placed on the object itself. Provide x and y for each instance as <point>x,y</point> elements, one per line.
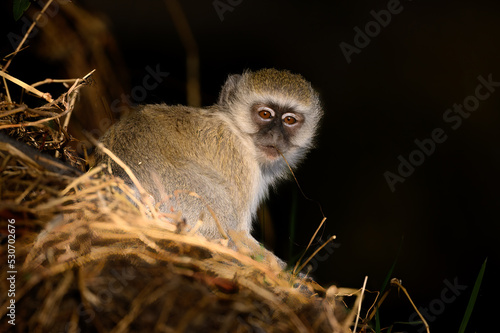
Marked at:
<point>90,257</point>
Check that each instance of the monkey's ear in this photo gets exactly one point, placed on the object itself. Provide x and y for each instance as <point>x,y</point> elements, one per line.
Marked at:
<point>229,88</point>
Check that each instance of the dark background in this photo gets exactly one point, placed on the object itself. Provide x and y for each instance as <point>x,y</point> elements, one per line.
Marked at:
<point>395,90</point>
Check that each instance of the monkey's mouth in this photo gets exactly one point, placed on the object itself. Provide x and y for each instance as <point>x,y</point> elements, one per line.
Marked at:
<point>271,152</point>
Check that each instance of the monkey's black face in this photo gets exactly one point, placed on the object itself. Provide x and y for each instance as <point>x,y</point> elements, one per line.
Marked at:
<point>277,125</point>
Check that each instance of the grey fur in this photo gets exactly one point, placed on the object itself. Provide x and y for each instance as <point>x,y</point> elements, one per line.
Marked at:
<point>215,151</point>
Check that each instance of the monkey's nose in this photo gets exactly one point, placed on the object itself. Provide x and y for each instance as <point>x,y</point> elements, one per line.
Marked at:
<point>276,138</point>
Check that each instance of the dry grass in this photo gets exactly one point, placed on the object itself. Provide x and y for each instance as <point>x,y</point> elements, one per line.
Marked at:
<point>90,257</point>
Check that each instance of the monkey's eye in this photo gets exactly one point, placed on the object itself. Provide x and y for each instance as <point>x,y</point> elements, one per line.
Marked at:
<point>289,120</point>
<point>266,113</point>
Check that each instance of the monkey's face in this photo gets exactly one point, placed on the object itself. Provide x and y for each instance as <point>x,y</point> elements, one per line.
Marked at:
<point>276,127</point>
<point>278,110</point>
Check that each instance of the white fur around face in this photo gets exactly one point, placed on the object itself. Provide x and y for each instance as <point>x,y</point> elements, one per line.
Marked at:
<point>280,88</point>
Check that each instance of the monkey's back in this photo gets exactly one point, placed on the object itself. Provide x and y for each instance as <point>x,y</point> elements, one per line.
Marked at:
<point>178,150</point>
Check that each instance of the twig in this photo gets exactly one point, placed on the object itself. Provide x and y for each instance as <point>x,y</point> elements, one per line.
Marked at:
<point>9,99</point>
<point>357,304</point>
<point>42,113</point>
<point>85,177</point>
<point>14,111</point>
<point>13,53</point>
<point>361,301</point>
<point>397,283</point>
<point>34,123</point>
<point>28,189</point>
<point>308,245</point>
<point>19,154</point>
<point>377,305</point>
<point>144,195</point>
<point>314,253</point>
<point>70,105</point>
<point>39,83</point>
<point>45,96</point>
<point>4,69</point>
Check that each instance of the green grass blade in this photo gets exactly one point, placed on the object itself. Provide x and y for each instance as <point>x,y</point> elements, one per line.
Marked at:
<point>389,274</point>
<point>377,322</point>
<point>386,282</point>
<point>473,297</point>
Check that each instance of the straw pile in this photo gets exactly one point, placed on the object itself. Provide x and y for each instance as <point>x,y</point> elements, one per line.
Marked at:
<point>91,258</point>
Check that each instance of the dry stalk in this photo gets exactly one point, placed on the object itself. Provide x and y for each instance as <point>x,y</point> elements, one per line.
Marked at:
<point>396,282</point>
<point>144,195</point>
<point>22,108</point>
<point>296,270</point>
<point>28,32</point>
<point>45,96</point>
<point>360,299</point>
<point>80,227</point>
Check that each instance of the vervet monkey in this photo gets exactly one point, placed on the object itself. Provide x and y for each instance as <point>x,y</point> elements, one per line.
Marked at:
<point>229,154</point>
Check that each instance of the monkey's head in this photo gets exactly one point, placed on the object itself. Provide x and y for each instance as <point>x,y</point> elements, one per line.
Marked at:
<point>279,110</point>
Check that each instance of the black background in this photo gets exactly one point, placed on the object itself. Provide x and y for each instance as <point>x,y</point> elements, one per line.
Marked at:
<point>394,91</point>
